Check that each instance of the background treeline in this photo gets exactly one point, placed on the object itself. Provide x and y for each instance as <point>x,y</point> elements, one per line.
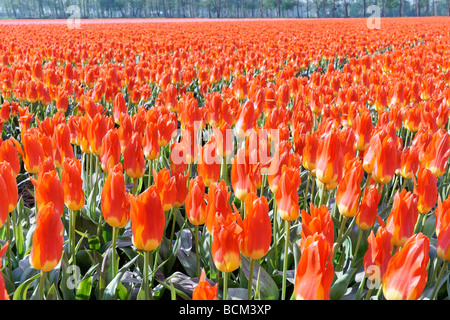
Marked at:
<point>221,8</point>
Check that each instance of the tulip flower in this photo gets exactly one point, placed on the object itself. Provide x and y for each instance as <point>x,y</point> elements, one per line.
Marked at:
<point>33,152</point>
<point>209,166</point>
<point>409,162</point>
<point>48,188</point>
<point>367,213</point>
<point>110,151</point>
<point>150,143</point>
<point>406,274</point>
<point>330,161</point>
<point>225,249</point>
<point>3,292</point>
<point>133,157</point>
<point>437,153</point>
<point>427,190</point>
<point>195,204</point>
<point>287,194</point>
<point>378,254</point>
<point>349,191</point>
<point>442,215</point>
<point>256,228</point>
<point>11,195</point>
<point>63,147</point>
<point>317,221</point>
<point>246,119</point>
<point>9,152</point>
<point>315,271</point>
<point>242,176</point>
<point>47,248</point>
<point>72,184</point>
<point>217,204</point>
<point>309,153</point>
<point>363,128</point>
<point>115,204</point>
<point>97,130</point>
<point>386,159</point>
<point>256,233</point>
<point>166,187</point>
<point>203,290</point>
<point>403,217</point>
<point>119,107</point>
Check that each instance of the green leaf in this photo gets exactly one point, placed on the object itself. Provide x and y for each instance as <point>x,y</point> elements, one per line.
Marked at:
<point>21,291</point>
<point>84,289</point>
<point>110,290</point>
<point>53,294</point>
<point>20,242</point>
<point>340,286</point>
<point>268,289</point>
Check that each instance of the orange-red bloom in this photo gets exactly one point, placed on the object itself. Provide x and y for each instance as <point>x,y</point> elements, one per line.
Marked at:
<point>115,203</point>
<point>378,254</point>
<point>3,292</point>
<point>133,157</point>
<point>195,204</point>
<point>403,217</point>
<point>33,152</point>
<point>287,194</point>
<point>367,213</point>
<point>48,239</point>
<point>209,166</point>
<point>166,187</point>
<point>48,188</point>
<point>406,274</point>
<point>225,246</point>
<point>256,228</point>
<point>315,271</point>
<point>110,151</point>
<point>147,219</point>
<point>72,184</point>
<point>437,153</point>
<point>349,191</point>
<point>330,160</point>
<point>204,290</point>
<point>427,190</point>
<point>150,141</point>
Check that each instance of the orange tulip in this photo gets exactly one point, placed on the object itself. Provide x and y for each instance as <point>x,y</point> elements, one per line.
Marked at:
<point>349,191</point>
<point>443,243</point>
<point>309,154</point>
<point>225,246</point>
<point>442,215</point>
<point>48,188</point>
<point>97,130</point>
<point>3,292</point>
<point>437,153</point>
<point>63,147</point>
<point>204,290</point>
<point>242,176</point>
<point>119,107</point>
<point>315,271</point>
<point>406,274</point>
<point>33,152</point>
<point>110,151</point>
<point>217,206</point>
<point>9,180</point>
<point>47,248</point>
<point>224,137</point>
<point>72,184</point>
<point>246,119</point>
<point>133,157</point>
<point>330,161</point>
<point>318,221</point>
<point>195,204</point>
<point>256,228</point>
<point>181,187</point>
<point>150,142</point>
<point>287,194</point>
<point>427,190</point>
<point>363,128</point>
<point>147,219</point>
<point>386,160</point>
<point>166,187</point>
<point>403,217</point>
<point>209,166</point>
<point>9,150</point>
<point>409,162</point>
<point>378,254</point>
<point>115,204</point>
<point>367,213</point>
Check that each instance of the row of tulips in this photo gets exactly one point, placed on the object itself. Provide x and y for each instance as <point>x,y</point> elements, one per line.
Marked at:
<point>287,167</point>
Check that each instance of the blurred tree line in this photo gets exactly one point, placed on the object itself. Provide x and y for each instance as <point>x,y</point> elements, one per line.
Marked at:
<point>21,9</point>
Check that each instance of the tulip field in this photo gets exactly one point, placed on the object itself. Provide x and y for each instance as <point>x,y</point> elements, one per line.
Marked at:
<point>265,159</point>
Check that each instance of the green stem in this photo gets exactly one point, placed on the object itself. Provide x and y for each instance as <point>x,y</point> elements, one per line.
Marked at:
<point>275,243</point>
<point>225,285</point>
<point>135,183</point>
<point>146,286</point>
<point>197,251</point>
<point>250,279</point>
<point>322,195</point>
<point>8,236</point>
<point>150,173</point>
<point>224,170</point>
<point>73,217</point>
<point>436,286</point>
<point>41,285</point>
<point>369,293</point>
<point>361,231</point>
<point>174,221</point>
<point>286,251</point>
<point>114,253</point>
<point>306,191</point>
